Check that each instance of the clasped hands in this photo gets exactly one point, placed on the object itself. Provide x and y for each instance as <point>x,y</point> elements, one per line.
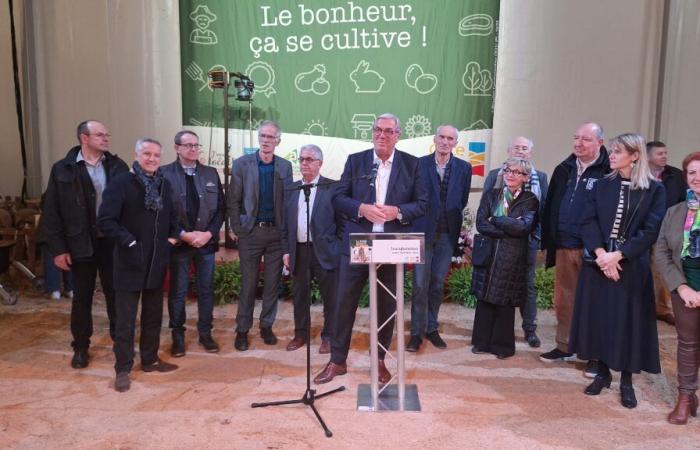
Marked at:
<point>378,214</point>
<point>196,239</point>
<point>609,263</point>
<point>690,297</point>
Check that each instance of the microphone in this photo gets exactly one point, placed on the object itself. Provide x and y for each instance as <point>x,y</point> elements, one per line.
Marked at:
<point>373,175</point>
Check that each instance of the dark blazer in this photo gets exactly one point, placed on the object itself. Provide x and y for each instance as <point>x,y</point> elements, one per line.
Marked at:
<point>493,181</point>
<point>124,218</point>
<point>325,232</point>
<point>564,172</point>
<point>406,190</point>
<point>244,191</point>
<point>210,216</point>
<point>504,281</point>
<point>458,187</point>
<point>675,185</point>
<point>68,220</point>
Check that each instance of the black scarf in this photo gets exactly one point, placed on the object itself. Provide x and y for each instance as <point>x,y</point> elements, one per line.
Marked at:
<point>151,184</point>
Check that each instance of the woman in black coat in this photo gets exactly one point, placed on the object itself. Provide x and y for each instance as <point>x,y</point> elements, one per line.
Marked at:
<point>506,217</point>
<point>614,319</point>
<point>137,213</point>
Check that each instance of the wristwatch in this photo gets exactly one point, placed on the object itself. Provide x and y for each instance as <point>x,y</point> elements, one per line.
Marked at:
<point>399,216</point>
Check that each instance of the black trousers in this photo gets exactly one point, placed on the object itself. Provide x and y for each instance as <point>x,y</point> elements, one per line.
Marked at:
<point>352,279</point>
<point>84,275</point>
<point>151,322</point>
<point>307,268</point>
<point>493,329</point>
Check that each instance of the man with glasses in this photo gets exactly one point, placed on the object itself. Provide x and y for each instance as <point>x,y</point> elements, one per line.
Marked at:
<point>73,197</point>
<point>389,201</point>
<point>255,206</point>
<point>448,180</point>
<point>199,202</point>
<point>316,257</point>
<point>521,147</point>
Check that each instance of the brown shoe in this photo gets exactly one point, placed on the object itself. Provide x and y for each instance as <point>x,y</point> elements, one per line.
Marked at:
<point>325,347</point>
<point>384,375</point>
<point>295,343</point>
<point>158,366</point>
<point>686,406</point>
<point>668,318</point>
<point>331,371</point>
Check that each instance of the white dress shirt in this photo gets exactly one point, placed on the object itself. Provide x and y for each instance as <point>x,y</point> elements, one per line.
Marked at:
<point>301,211</point>
<point>381,185</point>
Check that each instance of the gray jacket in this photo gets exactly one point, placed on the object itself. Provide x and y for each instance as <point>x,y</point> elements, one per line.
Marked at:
<point>244,192</point>
<point>667,251</point>
<point>211,200</point>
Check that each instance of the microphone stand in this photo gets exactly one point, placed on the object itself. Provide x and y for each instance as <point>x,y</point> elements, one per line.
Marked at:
<point>310,394</point>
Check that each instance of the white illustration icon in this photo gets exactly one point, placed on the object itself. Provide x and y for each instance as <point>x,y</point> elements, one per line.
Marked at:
<point>366,80</point>
<point>417,126</point>
<point>315,128</point>
<point>476,25</point>
<point>199,123</point>
<point>195,73</point>
<point>362,124</point>
<point>423,83</point>
<point>313,81</point>
<point>202,18</point>
<point>478,125</point>
<point>477,82</point>
<point>265,82</point>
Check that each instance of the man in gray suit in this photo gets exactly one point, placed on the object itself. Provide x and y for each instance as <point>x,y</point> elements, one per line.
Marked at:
<point>521,147</point>
<point>255,203</point>
<point>316,257</point>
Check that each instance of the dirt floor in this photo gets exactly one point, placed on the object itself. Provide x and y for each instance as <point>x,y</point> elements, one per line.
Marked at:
<point>468,401</point>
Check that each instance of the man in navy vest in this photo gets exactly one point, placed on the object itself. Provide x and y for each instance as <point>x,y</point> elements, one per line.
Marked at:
<point>448,180</point>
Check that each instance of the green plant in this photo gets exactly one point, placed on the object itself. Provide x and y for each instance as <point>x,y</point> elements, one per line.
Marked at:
<point>227,282</point>
<point>544,285</point>
<point>407,289</point>
<point>459,283</point>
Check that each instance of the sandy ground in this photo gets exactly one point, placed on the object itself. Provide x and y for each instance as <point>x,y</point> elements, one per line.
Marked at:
<point>468,401</point>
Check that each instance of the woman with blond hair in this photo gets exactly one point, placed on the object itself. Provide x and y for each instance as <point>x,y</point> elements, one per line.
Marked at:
<point>614,319</point>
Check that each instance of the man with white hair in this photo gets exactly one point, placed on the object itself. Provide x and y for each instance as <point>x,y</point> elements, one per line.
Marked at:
<point>521,147</point>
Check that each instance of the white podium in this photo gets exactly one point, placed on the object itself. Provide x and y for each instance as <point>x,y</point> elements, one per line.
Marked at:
<point>374,250</point>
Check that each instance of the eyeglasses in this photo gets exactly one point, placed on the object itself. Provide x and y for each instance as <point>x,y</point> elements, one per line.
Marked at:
<point>191,146</point>
<point>508,171</point>
<point>304,159</point>
<point>387,131</point>
<point>266,136</point>
<point>101,135</point>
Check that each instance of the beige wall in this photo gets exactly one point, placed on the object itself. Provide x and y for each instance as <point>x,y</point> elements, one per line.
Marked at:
<point>561,62</point>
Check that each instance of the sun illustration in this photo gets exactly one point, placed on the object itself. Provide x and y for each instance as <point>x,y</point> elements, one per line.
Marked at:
<point>315,128</point>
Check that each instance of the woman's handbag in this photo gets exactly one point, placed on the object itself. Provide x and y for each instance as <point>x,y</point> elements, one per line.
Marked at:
<point>481,250</point>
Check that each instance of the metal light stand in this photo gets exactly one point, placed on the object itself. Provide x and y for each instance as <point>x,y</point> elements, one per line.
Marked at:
<point>310,394</point>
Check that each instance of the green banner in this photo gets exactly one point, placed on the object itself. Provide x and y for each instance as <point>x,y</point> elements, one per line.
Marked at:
<point>327,68</point>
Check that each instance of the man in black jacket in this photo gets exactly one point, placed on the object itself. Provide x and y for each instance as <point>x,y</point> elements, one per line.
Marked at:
<point>73,197</point>
<point>561,222</point>
<point>199,203</point>
<point>138,214</point>
<point>676,191</point>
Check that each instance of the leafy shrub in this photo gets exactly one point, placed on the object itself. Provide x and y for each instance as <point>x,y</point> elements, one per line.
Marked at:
<point>459,282</point>
<point>407,289</point>
<point>544,285</point>
<point>227,282</point>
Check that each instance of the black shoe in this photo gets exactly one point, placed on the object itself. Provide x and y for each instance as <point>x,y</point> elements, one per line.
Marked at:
<point>241,342</point>
<point>504,356</point>
<point>268,336</point>
<point>414,344</point>
<point>532,339</point>
<point>599,382</point>
<point>122,383</point>
<point>177,350</point>
<point>627,397</point>
<point>80,359</point>
<point>477,351</point>
<point>591,369</point>
<point>556,355</point>
<point>435,339</point>
<point>158,366</point>
<point>209,344</point>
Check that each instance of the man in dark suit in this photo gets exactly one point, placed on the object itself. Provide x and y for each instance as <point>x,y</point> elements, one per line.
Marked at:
<point>316,258</point>
<point>391,204</point>
<point>255,207</point>
<point>73,197</point>
<point>521,147</point>
<point>448,180</point>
